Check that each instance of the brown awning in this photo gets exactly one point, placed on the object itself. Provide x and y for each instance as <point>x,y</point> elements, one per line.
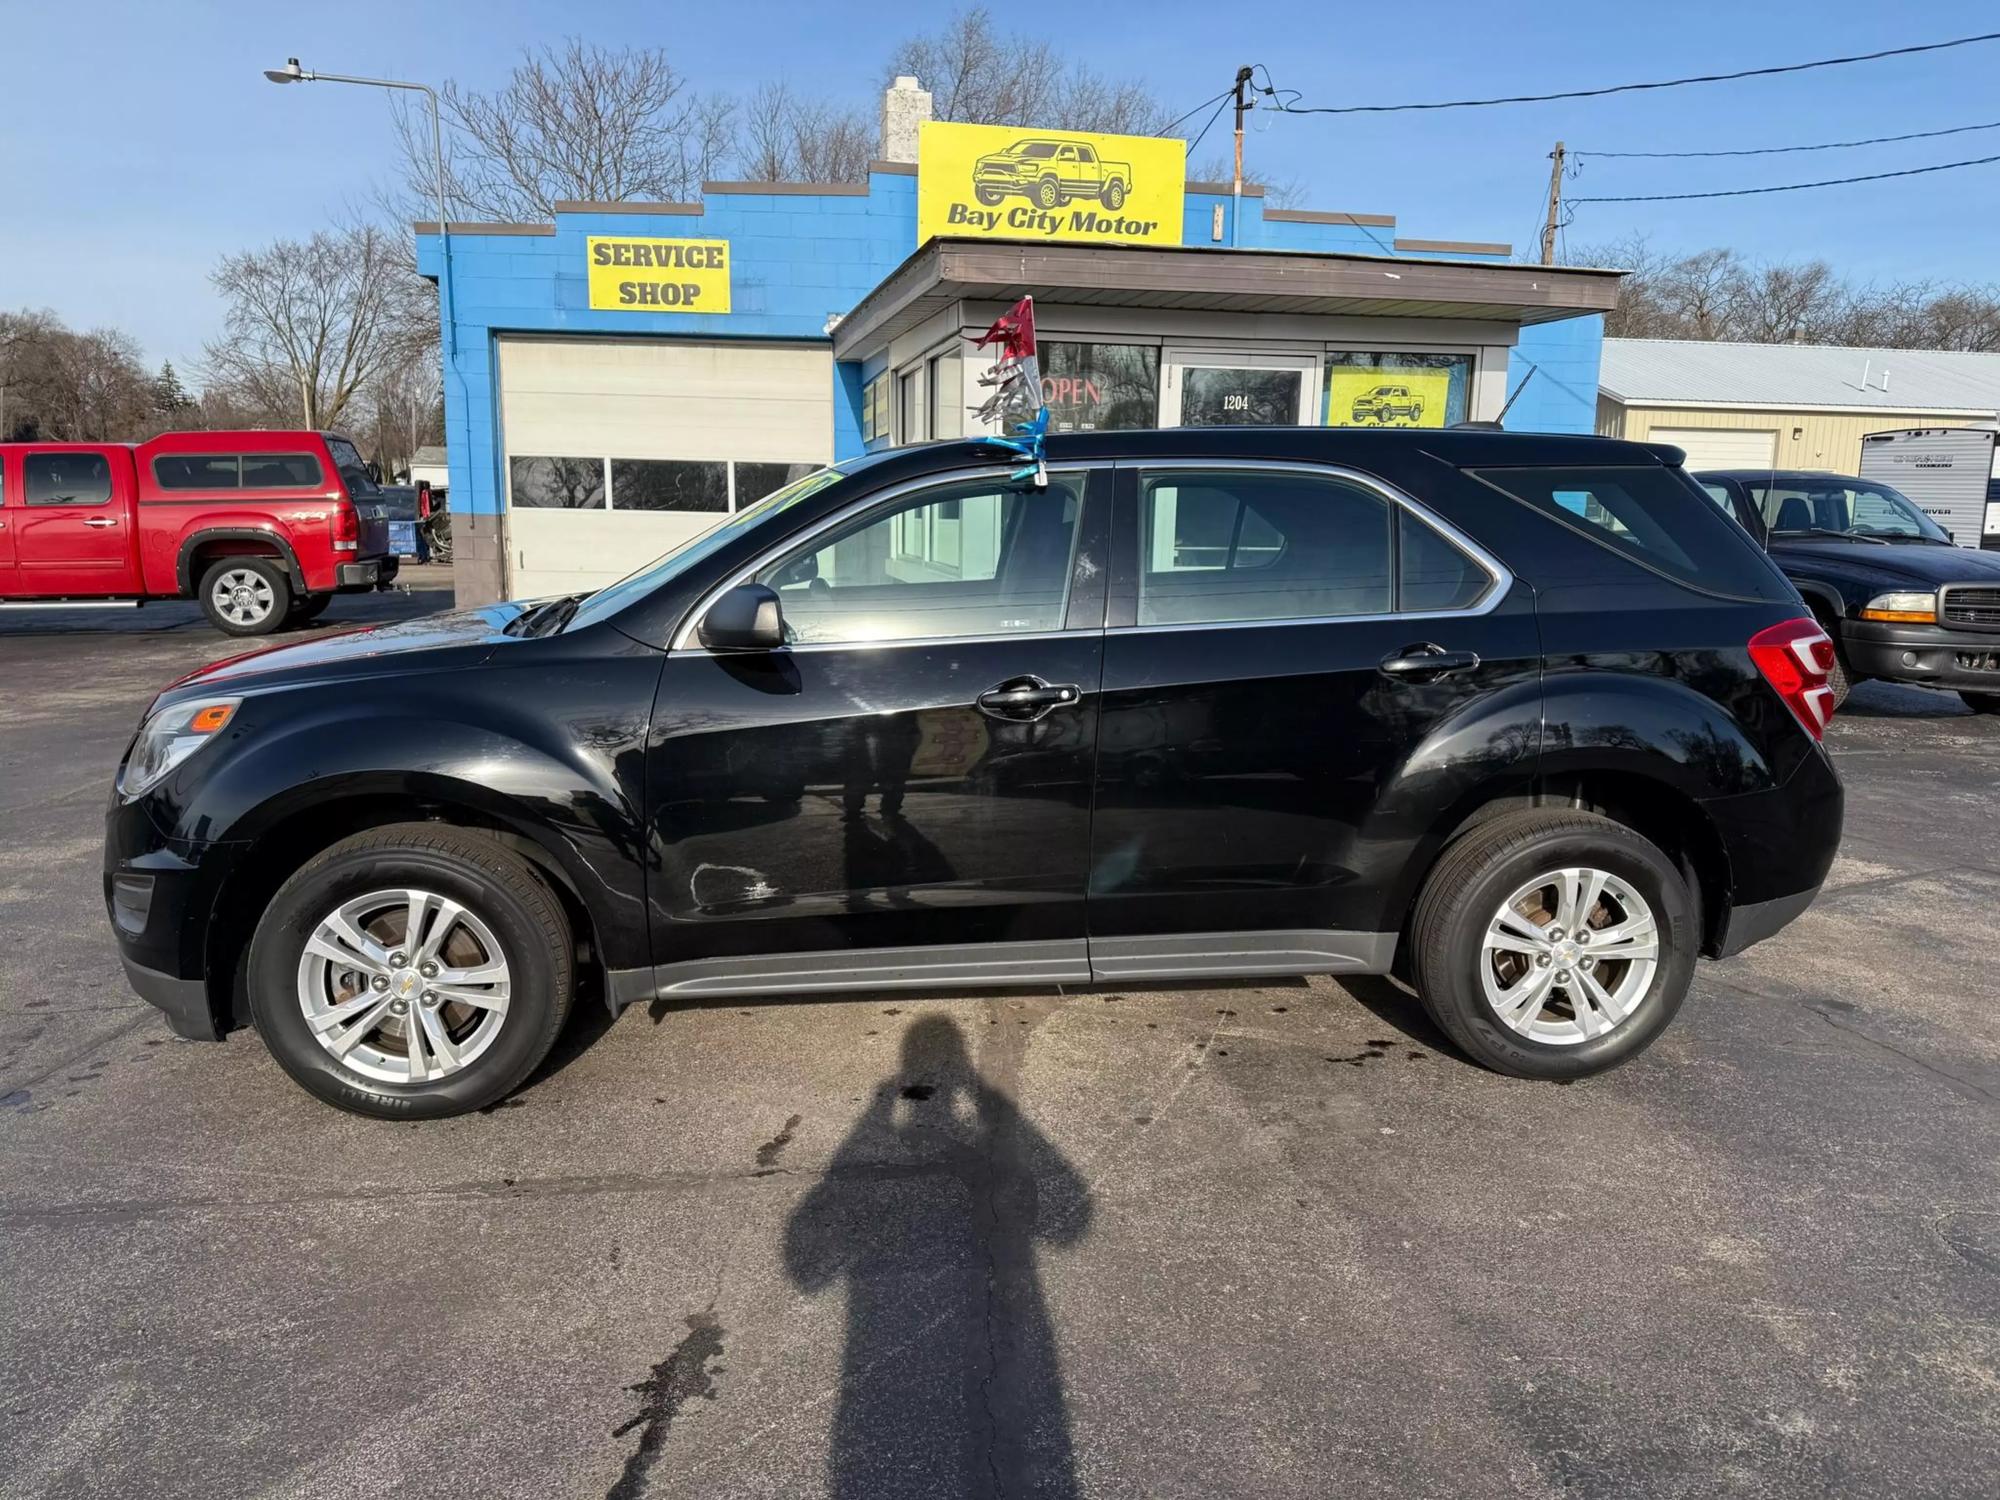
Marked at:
<point>1198,277</point>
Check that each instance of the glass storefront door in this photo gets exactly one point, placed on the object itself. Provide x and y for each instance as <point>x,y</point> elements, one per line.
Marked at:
<point>1203,388</point>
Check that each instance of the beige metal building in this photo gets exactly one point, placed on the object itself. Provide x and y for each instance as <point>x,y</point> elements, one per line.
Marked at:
<point>1788,406</point>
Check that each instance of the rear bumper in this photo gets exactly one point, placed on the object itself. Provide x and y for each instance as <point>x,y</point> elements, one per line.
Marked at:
<point>1779,845</point>
<point>375,572</point>
<point>1931,655</point>
<point>1754,921</point>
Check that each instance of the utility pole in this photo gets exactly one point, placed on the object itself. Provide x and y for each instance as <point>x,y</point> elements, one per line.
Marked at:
<point>1550,223</point>
<point>1236,182</point>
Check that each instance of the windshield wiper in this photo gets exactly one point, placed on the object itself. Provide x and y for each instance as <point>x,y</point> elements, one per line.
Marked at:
<point>1844,536</point>
<point>545,618</point>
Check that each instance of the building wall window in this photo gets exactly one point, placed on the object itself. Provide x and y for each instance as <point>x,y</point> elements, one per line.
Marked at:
<point>1095,387</point>
<point>668,484</point>
<point>646,484</point>
<point>909,415</point>
<point>945,386</point>
<point>875,409</point>
<point>1396,390</point>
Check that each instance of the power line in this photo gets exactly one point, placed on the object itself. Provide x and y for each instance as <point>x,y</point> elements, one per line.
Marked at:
<point>1211,121</point>
<point>1628,88</point>
<point>1873,140</point>
<point>1170,129</point>
<point>1792,187</point>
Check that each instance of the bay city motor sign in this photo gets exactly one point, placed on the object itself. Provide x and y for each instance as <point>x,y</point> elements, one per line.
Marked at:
<point>999,182</point>
<point>629,273</point>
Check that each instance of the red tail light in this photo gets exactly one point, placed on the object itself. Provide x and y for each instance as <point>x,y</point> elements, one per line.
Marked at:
<point>1796,658</point>
<point>423,502</point>
<point>345,527</point>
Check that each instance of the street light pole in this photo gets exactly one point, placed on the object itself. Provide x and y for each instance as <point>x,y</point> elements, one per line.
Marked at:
<point>291,72</point>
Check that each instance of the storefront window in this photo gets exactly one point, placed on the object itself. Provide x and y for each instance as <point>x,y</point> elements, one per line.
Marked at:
<point>1397,390</point>
<point>556,483</point>
<point>1093,387</point>
<point>947,396</point>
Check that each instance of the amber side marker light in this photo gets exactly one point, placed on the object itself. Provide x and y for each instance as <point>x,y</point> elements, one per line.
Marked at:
<point>208,720</point>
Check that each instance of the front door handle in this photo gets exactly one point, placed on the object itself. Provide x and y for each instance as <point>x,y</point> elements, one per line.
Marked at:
<point>1022,700</point>
<point>1426,662</point>
<point>99,522</point>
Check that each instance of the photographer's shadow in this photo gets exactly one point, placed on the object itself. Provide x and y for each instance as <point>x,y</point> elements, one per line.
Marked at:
<point>931,1210</point>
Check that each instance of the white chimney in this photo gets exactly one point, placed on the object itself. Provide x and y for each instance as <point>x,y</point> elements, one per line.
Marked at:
<point>905,107</point>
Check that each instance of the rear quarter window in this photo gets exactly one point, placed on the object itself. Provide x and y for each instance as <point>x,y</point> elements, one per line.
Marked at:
<point>1653,516</point>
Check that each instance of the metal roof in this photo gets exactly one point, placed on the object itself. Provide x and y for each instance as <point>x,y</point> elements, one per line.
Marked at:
<point>1694,372</point>
<point>943,271</point>
<point>430,453</point>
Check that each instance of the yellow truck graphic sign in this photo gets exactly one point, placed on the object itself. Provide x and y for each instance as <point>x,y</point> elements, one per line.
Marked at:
<point>1386,396</point>
<point>992,181</point>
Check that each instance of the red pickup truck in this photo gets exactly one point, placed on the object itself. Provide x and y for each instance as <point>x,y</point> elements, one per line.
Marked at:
<point>263,528</point>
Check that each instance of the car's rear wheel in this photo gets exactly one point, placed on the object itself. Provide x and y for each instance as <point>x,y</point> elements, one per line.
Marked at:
<point>1114,195</point>
<point>1982,703</point>
<point>246,595</point>
<point>411,972</point>
<point>1551,943</point>
<point>309,607</point>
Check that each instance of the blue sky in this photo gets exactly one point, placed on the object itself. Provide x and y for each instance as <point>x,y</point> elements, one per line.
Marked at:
<point>125,183</point>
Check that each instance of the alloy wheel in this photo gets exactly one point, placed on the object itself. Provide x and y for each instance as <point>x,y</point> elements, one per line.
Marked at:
<point>243,596</point>
<point>1568,957</point>
<point>404,986</point>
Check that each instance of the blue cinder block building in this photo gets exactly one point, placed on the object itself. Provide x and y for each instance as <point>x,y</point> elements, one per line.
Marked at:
<point>617,377</point>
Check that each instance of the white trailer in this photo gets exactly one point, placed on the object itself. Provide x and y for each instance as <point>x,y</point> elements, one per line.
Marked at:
<point>1945,470</point>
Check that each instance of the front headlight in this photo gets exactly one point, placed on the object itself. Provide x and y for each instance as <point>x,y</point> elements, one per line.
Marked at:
<point>170,737</point>
<point>1902,609</point>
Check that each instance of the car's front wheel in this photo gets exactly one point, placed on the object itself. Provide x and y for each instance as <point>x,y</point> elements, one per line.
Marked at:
<point>1049,193</point>
<point>991,197</point>
<point>411,972</point>
<point>1553,944</point>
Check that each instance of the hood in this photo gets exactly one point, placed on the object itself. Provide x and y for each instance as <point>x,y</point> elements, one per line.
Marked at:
<point>459,638</point>
<point>1898,562</point>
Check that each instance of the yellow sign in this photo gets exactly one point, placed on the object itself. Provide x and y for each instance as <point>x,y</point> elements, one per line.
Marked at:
<point>997,182</point>
<point>1386,396</point>
<point>632,274</point>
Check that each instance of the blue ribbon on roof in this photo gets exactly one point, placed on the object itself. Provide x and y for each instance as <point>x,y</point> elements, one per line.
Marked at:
<point>1028,441</point>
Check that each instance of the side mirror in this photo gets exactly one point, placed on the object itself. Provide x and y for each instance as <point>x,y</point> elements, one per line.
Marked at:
<point>747,618</point>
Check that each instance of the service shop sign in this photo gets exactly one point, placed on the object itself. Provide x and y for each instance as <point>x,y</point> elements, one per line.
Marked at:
<point>629,273</point>
<point>998,182</point>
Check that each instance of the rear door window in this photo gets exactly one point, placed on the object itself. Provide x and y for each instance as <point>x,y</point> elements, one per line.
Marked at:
<point>280,471</point>
<point>67,478</point>
<point>1655,516</point>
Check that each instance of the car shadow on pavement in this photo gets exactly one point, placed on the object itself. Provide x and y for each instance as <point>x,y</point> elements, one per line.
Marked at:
<point>933,1211</point>
<point>1400,1009</point>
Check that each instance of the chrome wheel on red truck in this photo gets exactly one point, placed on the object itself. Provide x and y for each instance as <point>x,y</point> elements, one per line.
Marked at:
<point>246,596</point>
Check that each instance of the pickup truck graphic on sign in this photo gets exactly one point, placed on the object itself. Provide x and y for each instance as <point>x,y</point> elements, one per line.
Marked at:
<point>1386,403</point>
<point>1049,173</point>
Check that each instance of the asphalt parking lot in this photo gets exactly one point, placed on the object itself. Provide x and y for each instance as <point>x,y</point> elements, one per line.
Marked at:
<point>1269,1240</point>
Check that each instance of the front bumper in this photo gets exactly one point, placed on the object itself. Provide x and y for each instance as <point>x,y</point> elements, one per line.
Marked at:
<point>160,894</point>
<point>1931,655</point>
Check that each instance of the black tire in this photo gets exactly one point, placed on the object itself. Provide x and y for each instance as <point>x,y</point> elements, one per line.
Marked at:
<point>261,598</point>
<point>991,197</point>
<point>1113,196</point>
<point>496,886</point>
<point>1982,703</point>
<point>1472,880</point>
<point>309,607</point>
<point>1049,193</point>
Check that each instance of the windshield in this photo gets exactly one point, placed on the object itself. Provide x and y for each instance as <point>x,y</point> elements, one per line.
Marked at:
<point>609,600</point>
<point>1811,502</point>
<point>353,472</point>
<point>1035,148</point>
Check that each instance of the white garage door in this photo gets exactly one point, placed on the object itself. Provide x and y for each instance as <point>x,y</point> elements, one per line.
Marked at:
<point>616,450</point>
<point>1720,447</point>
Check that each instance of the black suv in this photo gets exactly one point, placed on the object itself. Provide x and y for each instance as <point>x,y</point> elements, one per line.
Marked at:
<point>1524,719</point>
<point>1900,599</point>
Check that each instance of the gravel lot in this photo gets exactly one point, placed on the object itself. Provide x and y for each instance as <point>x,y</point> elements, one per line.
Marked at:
<point>1265,1240</point>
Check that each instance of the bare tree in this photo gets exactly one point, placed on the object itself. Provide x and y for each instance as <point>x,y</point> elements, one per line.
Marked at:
<point>58,385</point>
<point>976,74</point>
<point>580,122</point>
<point>1279,192</point>
<point>310,324</point>
<point>405,410</point>
<point>788,138</point>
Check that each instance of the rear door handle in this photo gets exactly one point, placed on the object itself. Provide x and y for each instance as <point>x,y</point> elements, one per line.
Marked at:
<point>99,522</point>
<point>1022,700</point>
<point>1427,661</point>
